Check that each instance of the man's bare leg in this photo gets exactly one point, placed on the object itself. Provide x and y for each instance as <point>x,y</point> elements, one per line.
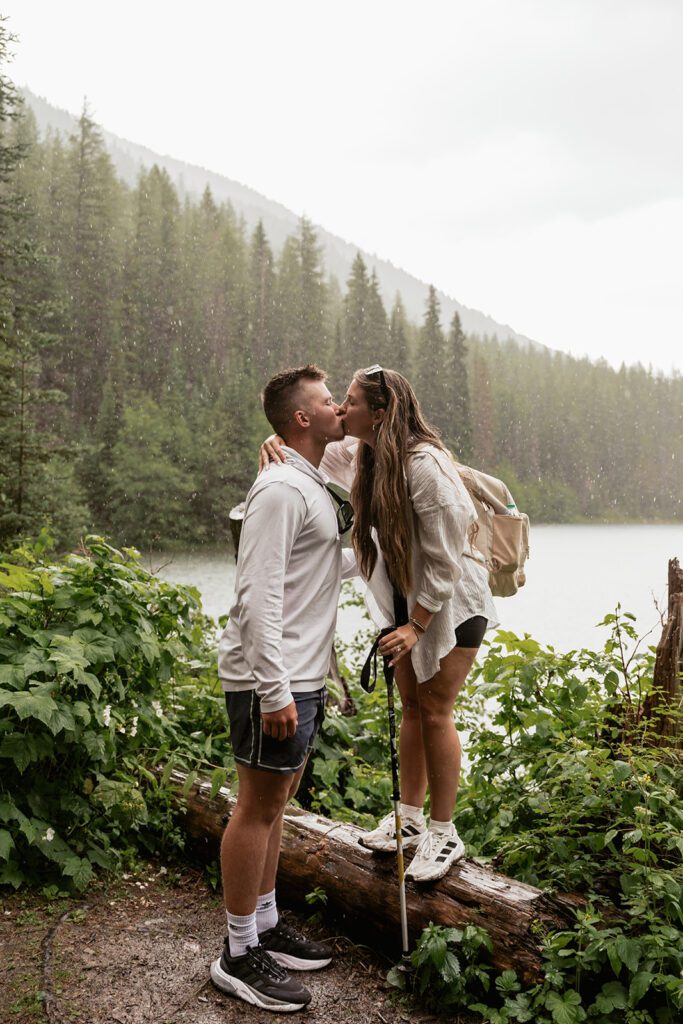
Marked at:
<point>248,844</point>
<point>269,875</point>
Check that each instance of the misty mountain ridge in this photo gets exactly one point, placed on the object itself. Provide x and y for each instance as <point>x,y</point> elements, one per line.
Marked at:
<point>278,221</point>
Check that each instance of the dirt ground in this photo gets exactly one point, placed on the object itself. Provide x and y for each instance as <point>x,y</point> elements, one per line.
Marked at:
<point>138,952</point>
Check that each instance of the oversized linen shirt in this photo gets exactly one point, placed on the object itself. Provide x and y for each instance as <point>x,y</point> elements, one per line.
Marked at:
<point>449,580</point>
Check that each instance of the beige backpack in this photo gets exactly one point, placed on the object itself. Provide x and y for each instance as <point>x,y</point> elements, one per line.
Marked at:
<point>500,536</point>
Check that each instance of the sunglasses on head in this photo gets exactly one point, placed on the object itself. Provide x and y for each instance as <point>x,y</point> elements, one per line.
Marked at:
<point>377,370</point>
<point>344,512</point>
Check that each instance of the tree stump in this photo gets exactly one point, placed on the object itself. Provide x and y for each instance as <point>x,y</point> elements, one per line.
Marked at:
<point>362,888</point>
<point>665,704</point>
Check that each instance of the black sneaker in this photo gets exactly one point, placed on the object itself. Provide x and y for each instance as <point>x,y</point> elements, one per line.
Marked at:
<point>258,979</point>
<point>292,949</point>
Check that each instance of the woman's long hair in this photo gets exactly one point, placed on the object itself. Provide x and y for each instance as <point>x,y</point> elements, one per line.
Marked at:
<point>380,490</point>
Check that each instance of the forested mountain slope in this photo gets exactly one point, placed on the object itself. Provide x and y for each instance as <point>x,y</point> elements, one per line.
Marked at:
<point>138,325</point>
<point>279,222</point>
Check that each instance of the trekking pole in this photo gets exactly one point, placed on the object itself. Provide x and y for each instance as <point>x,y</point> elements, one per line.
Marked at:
<point>368,679</point>
<point>396,797</point>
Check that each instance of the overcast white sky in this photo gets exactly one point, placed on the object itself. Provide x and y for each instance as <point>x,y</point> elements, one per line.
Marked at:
<point>526,156</point>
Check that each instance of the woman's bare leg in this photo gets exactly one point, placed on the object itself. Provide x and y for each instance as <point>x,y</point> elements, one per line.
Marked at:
<point>411,750</point>
<point>441,743</point>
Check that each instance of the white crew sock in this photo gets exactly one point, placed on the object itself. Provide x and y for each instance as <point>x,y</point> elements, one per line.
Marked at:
<point>266,911</point>
<point>443,827</point>
<point>242,932</point>
<point>409,811</point>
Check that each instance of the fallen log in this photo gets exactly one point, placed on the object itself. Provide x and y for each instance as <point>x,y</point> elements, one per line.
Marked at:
<point>362,889</point>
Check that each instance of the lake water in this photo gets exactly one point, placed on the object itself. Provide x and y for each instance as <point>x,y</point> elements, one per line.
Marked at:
<point>575,576</point>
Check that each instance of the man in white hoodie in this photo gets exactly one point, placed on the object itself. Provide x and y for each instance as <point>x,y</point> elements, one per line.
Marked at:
<point>272,662</point>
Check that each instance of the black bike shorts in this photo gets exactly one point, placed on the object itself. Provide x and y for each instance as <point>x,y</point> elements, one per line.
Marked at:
<point>470,633</point>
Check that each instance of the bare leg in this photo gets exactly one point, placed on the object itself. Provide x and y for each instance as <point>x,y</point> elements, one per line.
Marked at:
<point>411,749</point>
<point>275,841</point>
<point>245,846</point>
<point>436,698</point>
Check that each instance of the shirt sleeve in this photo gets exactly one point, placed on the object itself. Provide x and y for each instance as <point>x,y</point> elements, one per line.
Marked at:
<point>339,462</point>
<point>273,520</point>
<point>349,564</point>
<point>444,513</point>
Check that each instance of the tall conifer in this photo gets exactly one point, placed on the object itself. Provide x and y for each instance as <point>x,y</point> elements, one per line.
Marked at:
<point>430,362</point>
<point>356,350</point>
<point>399,358</point>
<point>458,430</point>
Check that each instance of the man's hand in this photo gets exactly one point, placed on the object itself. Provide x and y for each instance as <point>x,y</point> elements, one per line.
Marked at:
<point>271,451</point>
<point>280,724</point>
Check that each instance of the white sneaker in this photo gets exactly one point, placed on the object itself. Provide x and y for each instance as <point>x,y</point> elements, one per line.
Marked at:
<point>383,838</point>
<point>436,852</point>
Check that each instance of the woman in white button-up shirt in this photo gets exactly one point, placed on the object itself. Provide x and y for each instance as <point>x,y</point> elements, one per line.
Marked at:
<point>413,519</point>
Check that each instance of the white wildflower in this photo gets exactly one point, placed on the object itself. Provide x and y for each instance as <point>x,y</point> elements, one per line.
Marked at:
<point>156,708</point>
<point>49,835</point>
<point>122,729</point>
<point>106,715</point>
<point>134,726</point>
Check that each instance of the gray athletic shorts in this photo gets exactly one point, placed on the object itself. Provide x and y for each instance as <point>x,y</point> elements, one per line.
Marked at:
<point>252,747</point>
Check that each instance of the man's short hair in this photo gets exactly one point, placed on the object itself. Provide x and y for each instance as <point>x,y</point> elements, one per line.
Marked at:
<point>280,396</point>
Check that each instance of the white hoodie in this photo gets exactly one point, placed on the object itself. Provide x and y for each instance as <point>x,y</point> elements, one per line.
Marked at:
<point>282,620</point>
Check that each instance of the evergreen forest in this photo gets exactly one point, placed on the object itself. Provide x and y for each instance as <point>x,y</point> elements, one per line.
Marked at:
<point>137,328</point>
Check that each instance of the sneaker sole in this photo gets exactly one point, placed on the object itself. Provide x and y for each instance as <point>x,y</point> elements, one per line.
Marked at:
<point>235,987</point>
<point>438,870</point>
<point>297,963</point>
<point>389,845</point>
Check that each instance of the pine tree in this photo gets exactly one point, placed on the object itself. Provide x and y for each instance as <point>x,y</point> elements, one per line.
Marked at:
<point>37,485</point>
<point>356,350</point>
<point>379,349</point>
<point>398,337</point>
<point>287,287</point>
<point>97,463</point>
<point>458,431</point>
<point>261,302</point>
<point>336,367</point>
<point>92,266</point>
<point>431,356</point>
<point>151,319</point>
<point>484,441</point>
<point>302,313</point>
<point>312,342</point>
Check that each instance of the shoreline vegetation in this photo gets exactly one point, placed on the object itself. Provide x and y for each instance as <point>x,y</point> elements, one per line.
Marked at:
<point>108,685</point>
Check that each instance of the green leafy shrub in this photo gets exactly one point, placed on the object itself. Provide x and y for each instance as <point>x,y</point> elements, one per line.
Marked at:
<point>565,791</point>
<point>349,776</point>
<point>447,966</point>
<point>105,671</point>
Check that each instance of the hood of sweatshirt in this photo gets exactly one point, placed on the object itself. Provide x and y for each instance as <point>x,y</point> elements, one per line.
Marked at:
<point>299,462</point>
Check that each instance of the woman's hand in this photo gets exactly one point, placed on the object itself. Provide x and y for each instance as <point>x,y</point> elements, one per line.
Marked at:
<point>401,641</point>
<point>271,451</point>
